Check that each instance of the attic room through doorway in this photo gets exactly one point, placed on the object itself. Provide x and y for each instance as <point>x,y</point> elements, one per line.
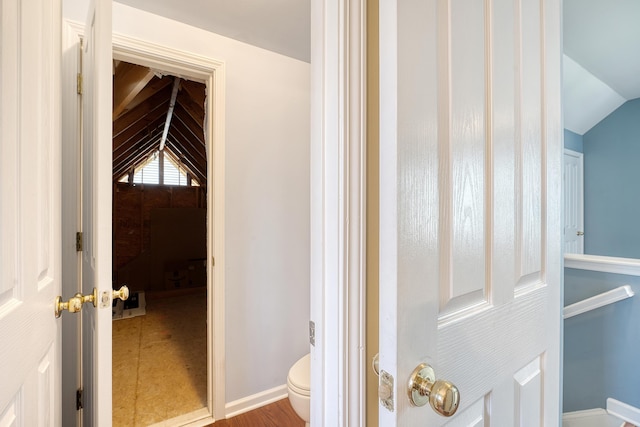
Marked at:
<point>159,245</point>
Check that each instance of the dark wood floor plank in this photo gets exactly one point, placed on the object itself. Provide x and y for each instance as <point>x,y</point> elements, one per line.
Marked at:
<point>277,414</point>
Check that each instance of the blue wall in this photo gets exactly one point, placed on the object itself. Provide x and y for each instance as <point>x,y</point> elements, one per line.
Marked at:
<point>612,184</point>
<point>601,347</point>
<point>573,141</point>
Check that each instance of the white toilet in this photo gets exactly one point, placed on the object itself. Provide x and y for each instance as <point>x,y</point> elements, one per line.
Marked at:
<point>298,386</point>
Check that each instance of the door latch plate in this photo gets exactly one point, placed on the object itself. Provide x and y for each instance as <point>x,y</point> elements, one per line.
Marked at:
<point>105,299</point>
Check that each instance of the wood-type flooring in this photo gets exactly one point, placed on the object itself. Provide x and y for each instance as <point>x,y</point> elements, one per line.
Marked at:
<point>160,361</point>
<point>159,368</point>
<point>277,414</point>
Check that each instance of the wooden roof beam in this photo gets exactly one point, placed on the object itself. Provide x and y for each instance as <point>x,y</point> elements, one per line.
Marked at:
<point>135,158</point>
<point>195,144</point>
<point>137,130</point>
<point>194,127</point>
<point>190,106</point>
<point>189,162</point>
<point>132,115</point>
<point>179,147</point>
<point>197,91</point>
<point>154,86</point>
<point>129,80</point>
<point>133,145</point>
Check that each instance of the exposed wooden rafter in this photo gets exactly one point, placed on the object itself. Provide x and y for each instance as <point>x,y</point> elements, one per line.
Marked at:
<point>164,105</point>
<point>153,87</point>
<point>195,92</point>
<point>129,80</point>
<point>140,116</point>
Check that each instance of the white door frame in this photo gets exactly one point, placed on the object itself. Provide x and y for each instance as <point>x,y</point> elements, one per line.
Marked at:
<point>212,73</point>
<point>338,212</point>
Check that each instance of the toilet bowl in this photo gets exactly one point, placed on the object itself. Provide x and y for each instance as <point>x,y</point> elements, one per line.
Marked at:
<point>298,387</point>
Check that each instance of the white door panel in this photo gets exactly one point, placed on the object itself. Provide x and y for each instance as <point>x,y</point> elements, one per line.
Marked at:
<point>470,215</point>
<point>29,212</point>
<point>96,213</point>
<point>573,202</point>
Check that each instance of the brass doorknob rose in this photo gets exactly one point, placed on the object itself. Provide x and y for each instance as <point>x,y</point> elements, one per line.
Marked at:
<point>74,305</point>
<point>122,293</point>
<point>443,396</point>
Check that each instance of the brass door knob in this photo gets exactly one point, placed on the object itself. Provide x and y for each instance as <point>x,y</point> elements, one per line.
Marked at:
<point>580,233</point>
<point>443,396</point>
<point>122,293</point>
<point>74,305</point>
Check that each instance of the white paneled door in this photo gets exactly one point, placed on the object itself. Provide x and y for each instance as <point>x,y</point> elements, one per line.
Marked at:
<point>470,211</point>
<point>30,263</point>
<point>573,202</point>
<point>96,213</point>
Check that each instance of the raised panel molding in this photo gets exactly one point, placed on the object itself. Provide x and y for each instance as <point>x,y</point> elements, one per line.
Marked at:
<point>464,143</point>
<point>474,416</point>
<point>9,135</point>
<point>46,383</point>
<point>11,416</point>
<point>529,136</point>
<point>528,394</point>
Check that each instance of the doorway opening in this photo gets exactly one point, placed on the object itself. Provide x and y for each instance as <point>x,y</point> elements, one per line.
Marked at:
<point>159,245</point>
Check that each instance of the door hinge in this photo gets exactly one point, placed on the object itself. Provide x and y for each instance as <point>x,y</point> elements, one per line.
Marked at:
<point>79,75</point>
<point>79,241</point>
<point>79,399</point>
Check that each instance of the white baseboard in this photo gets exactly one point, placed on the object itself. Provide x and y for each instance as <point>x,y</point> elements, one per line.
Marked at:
<point>258,400</point>
<point>199,418</point>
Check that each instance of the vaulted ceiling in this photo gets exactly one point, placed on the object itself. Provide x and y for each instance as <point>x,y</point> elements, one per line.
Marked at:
<point>602,59</point>
<point>153,111</point>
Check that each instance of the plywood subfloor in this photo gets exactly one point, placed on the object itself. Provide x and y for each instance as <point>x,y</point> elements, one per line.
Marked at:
<point>159,361</point>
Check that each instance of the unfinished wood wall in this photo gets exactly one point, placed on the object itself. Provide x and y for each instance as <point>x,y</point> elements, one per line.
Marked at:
<point>133,254</point>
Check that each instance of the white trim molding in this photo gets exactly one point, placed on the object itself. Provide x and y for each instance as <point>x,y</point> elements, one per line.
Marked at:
<point>338,171</point>
<point>606,264</point>
<point>255,401</point>
<point>212,73</point>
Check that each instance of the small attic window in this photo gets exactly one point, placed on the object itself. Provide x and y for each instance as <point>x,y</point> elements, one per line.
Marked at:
<point>149,172</point>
